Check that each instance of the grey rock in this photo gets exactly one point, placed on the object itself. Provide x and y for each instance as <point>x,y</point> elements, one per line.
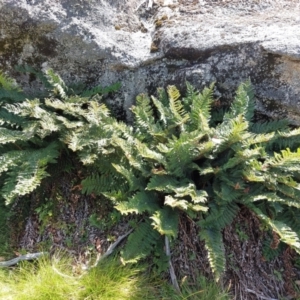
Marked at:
<point>146,44</point>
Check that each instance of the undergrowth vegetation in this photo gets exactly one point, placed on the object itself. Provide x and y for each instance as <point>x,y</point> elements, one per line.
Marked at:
<point>55,279</point>
<point>177,157</point>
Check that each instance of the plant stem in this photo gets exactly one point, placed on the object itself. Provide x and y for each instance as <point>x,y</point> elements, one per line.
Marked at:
<point>172,272</point>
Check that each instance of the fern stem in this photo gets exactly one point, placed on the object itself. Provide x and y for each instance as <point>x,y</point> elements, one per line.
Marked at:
<point>172,272</point>
<point>17,146</point>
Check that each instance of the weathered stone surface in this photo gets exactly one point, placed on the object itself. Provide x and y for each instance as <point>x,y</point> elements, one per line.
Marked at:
<point>145,44</point>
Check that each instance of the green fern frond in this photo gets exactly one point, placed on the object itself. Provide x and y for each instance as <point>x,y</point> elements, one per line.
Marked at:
<point>165,183</point>
<point>286,234</point>
<point>106,183</point>
<point>229,133</point>
<point>241,156</point>
<point>7,83</point>
<point>127,146</point>
<point>270,253</point>
<point>143,112</point>
<point>176,203</point>
<point>256,139</point>
<point>26,170</point>
<point>215,250</point>
<point>134,182</point>
<point>140,244</point>
<point>165,221</point>
<point>149,154</point>
<point>285,139</point>
<point>272,198</point>
<point>243,103</point>
<point>176,106</point>
<point>220,215</point>
<point>58,86</point>
<point>200,108</point>
<point>191,94</point>
<point>139,203</point>
<point>10,119</point>
<point>270,126</point>
<point>184,150</point>
<point>291,217</point>
<point>286,160</point>
<point>162,110</point>
<point>12,136</point>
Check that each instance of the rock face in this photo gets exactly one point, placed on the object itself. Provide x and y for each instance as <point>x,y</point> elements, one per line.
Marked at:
<point>149,43</point>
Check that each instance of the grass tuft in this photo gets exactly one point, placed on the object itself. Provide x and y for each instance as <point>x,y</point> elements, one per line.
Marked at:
<point>110,280</point>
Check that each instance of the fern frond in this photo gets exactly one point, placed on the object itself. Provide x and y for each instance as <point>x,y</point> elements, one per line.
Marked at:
<point>270,126</point>
<point>291,217</point>
<point>165,183</point>
<point>219,216</point>
<point>58,86</point>
<point>149,154</point>
<point>27,175</point>
<point>143,112</point>
<point>176,203</point>
<point>133,159</point>
<point>12,136</point>
<point>231,132</point>
<point>200,109</point>
<point>286,234</point>
<point>243,103</point>
<point>134,182</point>
<point>269,253</point>
<point>42,77</point>
<point>215,250</point>
<point>7,83</point>
<point>106,183</point>
<point>191,94</point>
<point>241,156</point>
<point>139,203</point>
<point>140,243</point>
<point>286,160</point>
<point>165,221</point>
<point>271,197</point>
<point>285,139</point>
<point>175,105</point>
<point>162,110</point>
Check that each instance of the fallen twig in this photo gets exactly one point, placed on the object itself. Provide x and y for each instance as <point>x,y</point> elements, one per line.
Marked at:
<point>172,272</point>
<point>14,261</point>
<point>259,295</point>
<point>112,247</point>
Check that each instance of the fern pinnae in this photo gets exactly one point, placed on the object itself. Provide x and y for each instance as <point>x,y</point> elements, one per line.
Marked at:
<point>215,250</point>
<point>58,86</point>
<point>140,243</point>
<point>162,110</point>
<point>287,235</point>
<point>7,83</point>
<point>243,103</point>
<point>165,221</point>
<point>201,108</point>
<point>177,109</point>
<point>139,203</point>
<point>12,136</point>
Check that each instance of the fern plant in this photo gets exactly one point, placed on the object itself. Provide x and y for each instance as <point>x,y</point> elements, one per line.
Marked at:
<point>33,130</point>
<point>176,159</point>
